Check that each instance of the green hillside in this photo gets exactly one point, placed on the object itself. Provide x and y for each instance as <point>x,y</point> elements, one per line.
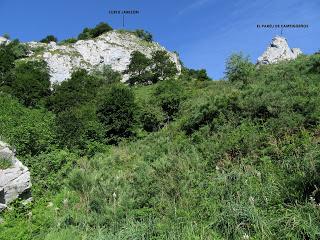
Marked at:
<point>184,158</point>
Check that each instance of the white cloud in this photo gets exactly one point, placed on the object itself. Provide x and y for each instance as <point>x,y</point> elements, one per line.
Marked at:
<point>194,5</point>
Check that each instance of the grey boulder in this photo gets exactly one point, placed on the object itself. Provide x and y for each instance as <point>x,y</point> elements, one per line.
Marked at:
<point>15,181</point>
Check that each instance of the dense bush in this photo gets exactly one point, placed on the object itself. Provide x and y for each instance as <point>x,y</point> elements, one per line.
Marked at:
<point>49,38</point>
<point>139,69</point>
<point>144,35</point>
<point>191,74</point>
<point>49,170</point>
<point>163,67</point>
<point>169,95</point>
<point>79,126</point>
<point>143,70</point>
<point>80,88</point>
<point>239,68</point>
<point>151,117</point>
<point>31,82</point>
<point>8,55</point>
<point>74,102</point>
<point>69,40</point>
<point>29,131</point>
<point>89,33</point>
<point>313,65</point>
<point>115,111</point>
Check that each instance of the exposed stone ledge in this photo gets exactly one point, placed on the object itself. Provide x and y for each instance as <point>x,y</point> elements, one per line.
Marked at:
<point>15,181</point>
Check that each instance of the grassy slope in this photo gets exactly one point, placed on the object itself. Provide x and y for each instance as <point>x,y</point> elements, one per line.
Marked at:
<point>239,162</point>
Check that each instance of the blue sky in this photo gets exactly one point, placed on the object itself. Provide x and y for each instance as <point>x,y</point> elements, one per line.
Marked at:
<point>203,32</point>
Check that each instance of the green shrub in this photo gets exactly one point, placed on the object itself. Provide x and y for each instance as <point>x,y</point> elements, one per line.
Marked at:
<point>151,117</point>
<point>116,112</point>
<point>29,131</point>
<point>31,83</point>
<point>78,126</point>
<point>106,75</point>
<point>313,64</point>
<point>69,41</point>
<point>48,39</point>
<point>49,171</point>
<point>163,67</point>
<point>98,30</point>
<point>8,54</point>
<point>144,35</point>
<point>5,163</point>
<point>191,74</point>
<point>143,70</point>
<point>239,68</point>
<point>169,95</point>
<point>138,69</point>
<point>80,88</point>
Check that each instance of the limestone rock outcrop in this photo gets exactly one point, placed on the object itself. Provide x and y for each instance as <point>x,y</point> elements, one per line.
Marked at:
<point>3,40</point>
<point>113,48</point>
<point>15,180</point>
<point>278,50</point>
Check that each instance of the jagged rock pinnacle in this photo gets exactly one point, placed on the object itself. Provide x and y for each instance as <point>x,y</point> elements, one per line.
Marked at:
<point>278,50</point>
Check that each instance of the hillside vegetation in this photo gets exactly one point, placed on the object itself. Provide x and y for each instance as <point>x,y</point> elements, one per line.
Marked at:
<point>184,158</point>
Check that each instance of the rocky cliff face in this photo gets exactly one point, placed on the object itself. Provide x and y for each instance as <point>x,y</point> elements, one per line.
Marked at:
<point>14,181</point>
<point>113,48</point>
<point>278,50</point>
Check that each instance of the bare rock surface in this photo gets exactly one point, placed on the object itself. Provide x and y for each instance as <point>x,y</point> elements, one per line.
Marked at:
<point>278,50</point>
<point>15,180</point>
<point>3,40</point>
<point>113,48</point>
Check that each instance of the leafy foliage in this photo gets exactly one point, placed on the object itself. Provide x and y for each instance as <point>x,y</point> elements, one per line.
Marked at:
<point>144,35</point>
<point>198,75</point>
<point>116,112</point>
<point>89,33</point>
<point>74,101</point>
<point>78,126</point>
<point>9,53</point>
<point>31,82</point>
<point>138,69</point>
<point>5,163</point>
<point>162,66</point>
<point>143,70</point>
<point>80,88</point>
<point>69,40</point>
<point>169,95</point>
<point>29,131</point>
<point>49,38</point>
<point>239,68</point>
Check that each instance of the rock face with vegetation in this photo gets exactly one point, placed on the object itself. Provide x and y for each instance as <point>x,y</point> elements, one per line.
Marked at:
<point>181,158</point>
<point>113,48</point>
<point>278,50</point>
<point>14,177</point>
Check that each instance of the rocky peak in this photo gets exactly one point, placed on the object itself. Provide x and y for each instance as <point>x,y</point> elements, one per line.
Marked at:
<point>278,50</point>
<point>113,48</point>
